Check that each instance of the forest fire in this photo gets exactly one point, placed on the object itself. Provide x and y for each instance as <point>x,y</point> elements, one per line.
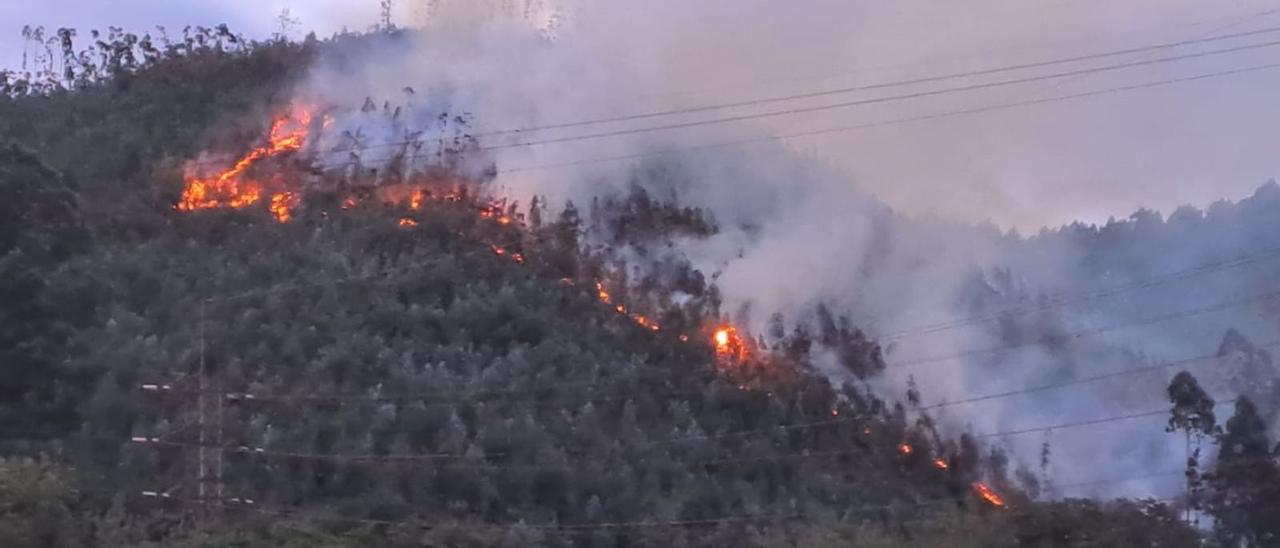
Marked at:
<point>606,298</point>
<point>729,344</point>
<point>643,321</point>
<point>281,205</point>
<point>985,493</point>
<point>230,188</point>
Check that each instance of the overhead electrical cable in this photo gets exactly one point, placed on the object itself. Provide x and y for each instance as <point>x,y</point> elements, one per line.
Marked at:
<point>877,100</point>
<point>885,85</point>
<point>868,101</point>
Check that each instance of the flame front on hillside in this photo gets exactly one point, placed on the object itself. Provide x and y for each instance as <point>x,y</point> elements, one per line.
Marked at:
<point>986,494</point>
<point>235,188</point>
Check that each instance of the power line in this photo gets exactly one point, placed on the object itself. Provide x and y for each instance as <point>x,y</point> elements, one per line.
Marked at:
<point>245,396</point>
<point>882,85</point>
<point>1232,21</point>
<point>877,100</point>
<point>887,123</point>
<point>251,505</point>
<point>412,457</point>
<point>1085,380</point>
<point>1049,304</point>
<point>672,393</point>
<point>1218,307</point>
<point>1076,424</point>
<point>825,131</point>
<point>1063,300</point>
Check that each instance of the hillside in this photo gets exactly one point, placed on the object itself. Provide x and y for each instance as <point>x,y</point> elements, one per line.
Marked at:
<point>405,357</point>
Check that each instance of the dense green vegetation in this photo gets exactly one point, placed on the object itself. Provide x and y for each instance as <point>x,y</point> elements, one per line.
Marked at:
<point>415,388</point>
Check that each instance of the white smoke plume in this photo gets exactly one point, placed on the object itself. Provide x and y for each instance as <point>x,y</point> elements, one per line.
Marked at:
<point>801,229</point>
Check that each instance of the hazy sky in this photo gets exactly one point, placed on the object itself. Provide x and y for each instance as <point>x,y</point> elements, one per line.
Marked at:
<point>1088,159</point>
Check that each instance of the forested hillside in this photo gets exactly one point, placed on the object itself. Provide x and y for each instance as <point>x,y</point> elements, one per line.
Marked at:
<point>407,358</point>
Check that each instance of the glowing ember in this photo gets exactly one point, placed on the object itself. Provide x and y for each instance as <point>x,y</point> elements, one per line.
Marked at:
<point>644,322</point>
<point>230,188</point>
<point>866,431</point>
<point>281,204</point>
<point>349,203</point>
<point>988,495</point>
<point>415,201</point>
<point>504,220</point>
<point>518,258</point>
<point>600,292</point>
<point>406,222</point>
<point>684,338</point>
<point>940,464</point>
<point>621,309</point>
<point>905,448</point>
<point>835,412</point>
<point>499,250</point>
<point>728,344</point>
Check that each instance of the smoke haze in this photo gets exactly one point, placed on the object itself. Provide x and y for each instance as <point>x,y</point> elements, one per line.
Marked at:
<point>874,224</point>
<point>886,225</point>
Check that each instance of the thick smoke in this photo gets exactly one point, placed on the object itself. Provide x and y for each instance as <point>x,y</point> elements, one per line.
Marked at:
<point>799,231</point>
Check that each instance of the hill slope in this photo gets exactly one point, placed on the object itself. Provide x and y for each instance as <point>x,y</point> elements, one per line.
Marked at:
<point>455,370</point>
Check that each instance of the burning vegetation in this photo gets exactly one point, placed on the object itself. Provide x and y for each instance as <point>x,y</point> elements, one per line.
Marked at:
<point>987,495</point>
<point>481,319</point>
<point>239,186</point>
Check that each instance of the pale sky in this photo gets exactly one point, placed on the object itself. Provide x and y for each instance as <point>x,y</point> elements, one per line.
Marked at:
<point>1089,159</point>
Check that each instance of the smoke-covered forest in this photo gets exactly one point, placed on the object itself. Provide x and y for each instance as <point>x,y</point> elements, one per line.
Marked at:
<point>243,306</point>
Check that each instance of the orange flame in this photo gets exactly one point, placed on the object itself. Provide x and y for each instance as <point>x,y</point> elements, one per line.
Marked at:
<point>728,343</point>
<point>600,292</point>
<point>415,201</point>
<point>499,250</point>
<point>940,464</point>
<point>406,222</point>
<point>988,495</point>
<point>643,321</point>
<point>282,204</point>
<point>230,189</point>
<point>905,448</point>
